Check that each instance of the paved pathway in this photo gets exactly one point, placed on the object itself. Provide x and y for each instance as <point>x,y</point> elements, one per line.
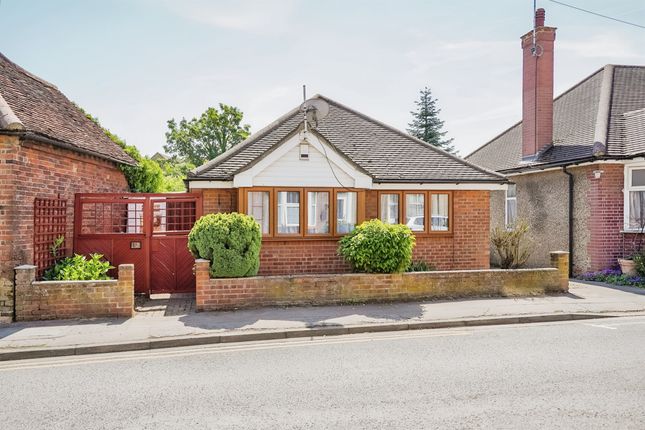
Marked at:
<point>176,318</point>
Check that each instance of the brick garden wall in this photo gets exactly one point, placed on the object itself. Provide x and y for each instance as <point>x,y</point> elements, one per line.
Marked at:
<point>467,247</point>
<point>231,293</point>
<point>45,300</point>
<point>29,170</point>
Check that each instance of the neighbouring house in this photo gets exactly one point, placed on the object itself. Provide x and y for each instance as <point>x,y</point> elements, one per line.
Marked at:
<point>308,187</point>
<point>48,148</point>
<point>577,162</point>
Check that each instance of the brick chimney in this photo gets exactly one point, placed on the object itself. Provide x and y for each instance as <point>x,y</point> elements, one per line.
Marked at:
<point>537,88</point>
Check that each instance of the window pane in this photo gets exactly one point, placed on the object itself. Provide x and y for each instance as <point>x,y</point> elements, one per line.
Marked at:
<point>512,190</point>
<point>258,208</point>
<point>636,210</point>
<point>638,177</point>
<point>318,212</point>
<point>345,212</point>
<point>440,215</point>
<point>390,208</point>
<point>415,211</point>
<point>288,212</point>
<point>511,211</point>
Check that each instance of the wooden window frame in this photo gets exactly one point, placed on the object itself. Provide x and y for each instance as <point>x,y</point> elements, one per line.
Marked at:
<point>426,224</point>
<point>331,222</point>
<point>243,205</point>
<point>451,217</point>
<point>400,194</point>
<point>301,212</point>
<point>360,206</point>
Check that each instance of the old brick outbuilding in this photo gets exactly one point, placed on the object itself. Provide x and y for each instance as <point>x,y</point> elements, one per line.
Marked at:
<point>308,182</point>
<point>577,162</point>
<point>48,147</point>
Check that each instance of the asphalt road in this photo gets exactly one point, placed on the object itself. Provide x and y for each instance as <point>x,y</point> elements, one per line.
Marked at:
<point>585,374</point>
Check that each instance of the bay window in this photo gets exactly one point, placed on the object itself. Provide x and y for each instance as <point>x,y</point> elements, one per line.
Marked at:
<point>317,212</point>
<point>258,206</point>
<point>439,212</point>
<point>390,208</point>
<point>415,211</point>
<point>288,212</point>
<point>346,211</point>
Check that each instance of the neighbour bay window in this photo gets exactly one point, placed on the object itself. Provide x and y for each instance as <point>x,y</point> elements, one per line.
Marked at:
<point>440,212</point>
<point>258,206</point>
<point>635,195</point>
<point>425,212</point>
<point>415,211</point>
<point>318,212</point>
<point>511,205</point>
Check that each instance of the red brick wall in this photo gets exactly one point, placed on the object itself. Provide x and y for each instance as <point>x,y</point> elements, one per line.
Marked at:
<point>466,247</point>
<point>29,170</point>
<point>605,197</point>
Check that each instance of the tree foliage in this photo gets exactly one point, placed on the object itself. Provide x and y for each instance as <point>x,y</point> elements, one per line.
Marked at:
<point>426,124</point>
<point>175,170</point>
<point>146,176</point>
<point>201,139</point>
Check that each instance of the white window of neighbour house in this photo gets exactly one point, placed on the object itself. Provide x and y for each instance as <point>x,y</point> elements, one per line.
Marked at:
<point>635,198</point>
<point>511,205</point>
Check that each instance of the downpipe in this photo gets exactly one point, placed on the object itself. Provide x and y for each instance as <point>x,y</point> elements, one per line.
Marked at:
<point>570,223</point>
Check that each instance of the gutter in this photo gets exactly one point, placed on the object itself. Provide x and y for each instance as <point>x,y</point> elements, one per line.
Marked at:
<point>570,223</point>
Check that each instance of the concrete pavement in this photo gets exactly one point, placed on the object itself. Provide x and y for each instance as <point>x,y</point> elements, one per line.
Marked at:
<point>174,325</point>
<point>569,375</point>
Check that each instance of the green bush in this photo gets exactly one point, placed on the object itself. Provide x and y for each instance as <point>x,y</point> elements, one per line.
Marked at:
<point>639,263</point>
<point>79,268</point>
<point>230,241</point>
<point>420,266</point>
<point>376,247</point>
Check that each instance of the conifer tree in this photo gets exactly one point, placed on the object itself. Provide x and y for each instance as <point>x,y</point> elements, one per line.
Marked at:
<point>426,124</point>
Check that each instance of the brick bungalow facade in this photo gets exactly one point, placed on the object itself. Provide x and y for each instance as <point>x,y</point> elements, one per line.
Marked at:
<point>577,162</point>
<point>308,187</point>
<point>47,147</point>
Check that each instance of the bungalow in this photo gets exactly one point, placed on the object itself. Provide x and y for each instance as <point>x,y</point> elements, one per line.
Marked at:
<point>319,170</point>
<point>577,163</point>
<point>48,149</point>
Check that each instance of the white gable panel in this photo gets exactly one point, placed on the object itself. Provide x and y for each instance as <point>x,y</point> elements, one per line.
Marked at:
<point>290,170</point>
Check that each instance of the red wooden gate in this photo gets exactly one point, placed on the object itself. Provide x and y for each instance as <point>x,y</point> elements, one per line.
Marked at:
<point>147,230</point>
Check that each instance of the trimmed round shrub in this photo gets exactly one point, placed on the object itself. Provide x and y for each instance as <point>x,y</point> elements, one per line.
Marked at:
<point>231,241</point>
<point>376,247</point>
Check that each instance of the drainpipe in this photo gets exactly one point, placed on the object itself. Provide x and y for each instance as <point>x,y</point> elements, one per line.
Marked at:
<point>566,172</point>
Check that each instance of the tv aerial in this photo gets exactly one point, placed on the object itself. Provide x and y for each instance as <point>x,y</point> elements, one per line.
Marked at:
<point>313,110</point>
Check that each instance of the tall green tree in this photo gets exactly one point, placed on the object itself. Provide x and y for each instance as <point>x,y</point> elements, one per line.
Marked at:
<point>204,138</point>
<point>426,124</point>
<point>146,176</point>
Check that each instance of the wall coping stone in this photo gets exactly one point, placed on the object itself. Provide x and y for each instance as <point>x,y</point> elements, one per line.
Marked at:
<point>92,281</point>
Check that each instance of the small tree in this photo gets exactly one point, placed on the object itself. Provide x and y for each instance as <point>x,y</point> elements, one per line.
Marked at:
<point>514,246</point>
<point>204,138</point>
<point>426,124</point>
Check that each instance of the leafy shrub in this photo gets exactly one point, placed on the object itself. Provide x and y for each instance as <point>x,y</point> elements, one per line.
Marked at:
<point>514,246</point>
<point>230,241</point>
<point>376,247</point>
<point>420,266</point>
<point>79,268</point>
<point>639,263</point>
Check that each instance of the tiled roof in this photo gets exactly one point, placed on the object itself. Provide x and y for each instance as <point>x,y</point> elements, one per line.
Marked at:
<point>30,104</point>
<point>576,114</point>
<point>384,153</point>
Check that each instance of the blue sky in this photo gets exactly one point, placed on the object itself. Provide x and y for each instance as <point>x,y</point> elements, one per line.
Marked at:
<point>137,63</point>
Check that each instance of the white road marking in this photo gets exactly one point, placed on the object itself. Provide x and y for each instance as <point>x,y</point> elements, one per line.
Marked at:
<point>602,326</point>
<point>208,349</point>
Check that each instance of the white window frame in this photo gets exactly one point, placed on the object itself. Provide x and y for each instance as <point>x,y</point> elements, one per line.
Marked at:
<point>506,200</point>
<point>627,188</point>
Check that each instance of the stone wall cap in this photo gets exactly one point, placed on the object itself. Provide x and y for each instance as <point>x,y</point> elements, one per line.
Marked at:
<point>201,260</point>
<point>94,281</point>
<point>25,267</point>
<point>126,266</point>
<point>559,252</point>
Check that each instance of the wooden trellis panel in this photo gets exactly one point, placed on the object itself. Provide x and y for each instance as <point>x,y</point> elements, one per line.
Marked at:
<point>50,223</point>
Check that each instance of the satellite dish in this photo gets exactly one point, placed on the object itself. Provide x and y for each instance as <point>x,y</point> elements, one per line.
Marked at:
<point>316,110</point>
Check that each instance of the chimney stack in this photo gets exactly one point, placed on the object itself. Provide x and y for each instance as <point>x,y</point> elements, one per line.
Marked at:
<point>537,88</point>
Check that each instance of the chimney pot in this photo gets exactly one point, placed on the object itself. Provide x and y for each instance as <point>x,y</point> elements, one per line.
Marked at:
<point>539,17</point>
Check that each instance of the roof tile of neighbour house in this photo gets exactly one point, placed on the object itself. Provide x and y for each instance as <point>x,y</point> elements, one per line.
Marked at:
<point>30,104</point>
<point>575,117</point>
<point>382,152</point>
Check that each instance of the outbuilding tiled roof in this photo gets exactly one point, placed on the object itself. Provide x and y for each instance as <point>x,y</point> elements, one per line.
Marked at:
<point>382,152</point>
<point>576,114</point>
<point>30,104</point>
